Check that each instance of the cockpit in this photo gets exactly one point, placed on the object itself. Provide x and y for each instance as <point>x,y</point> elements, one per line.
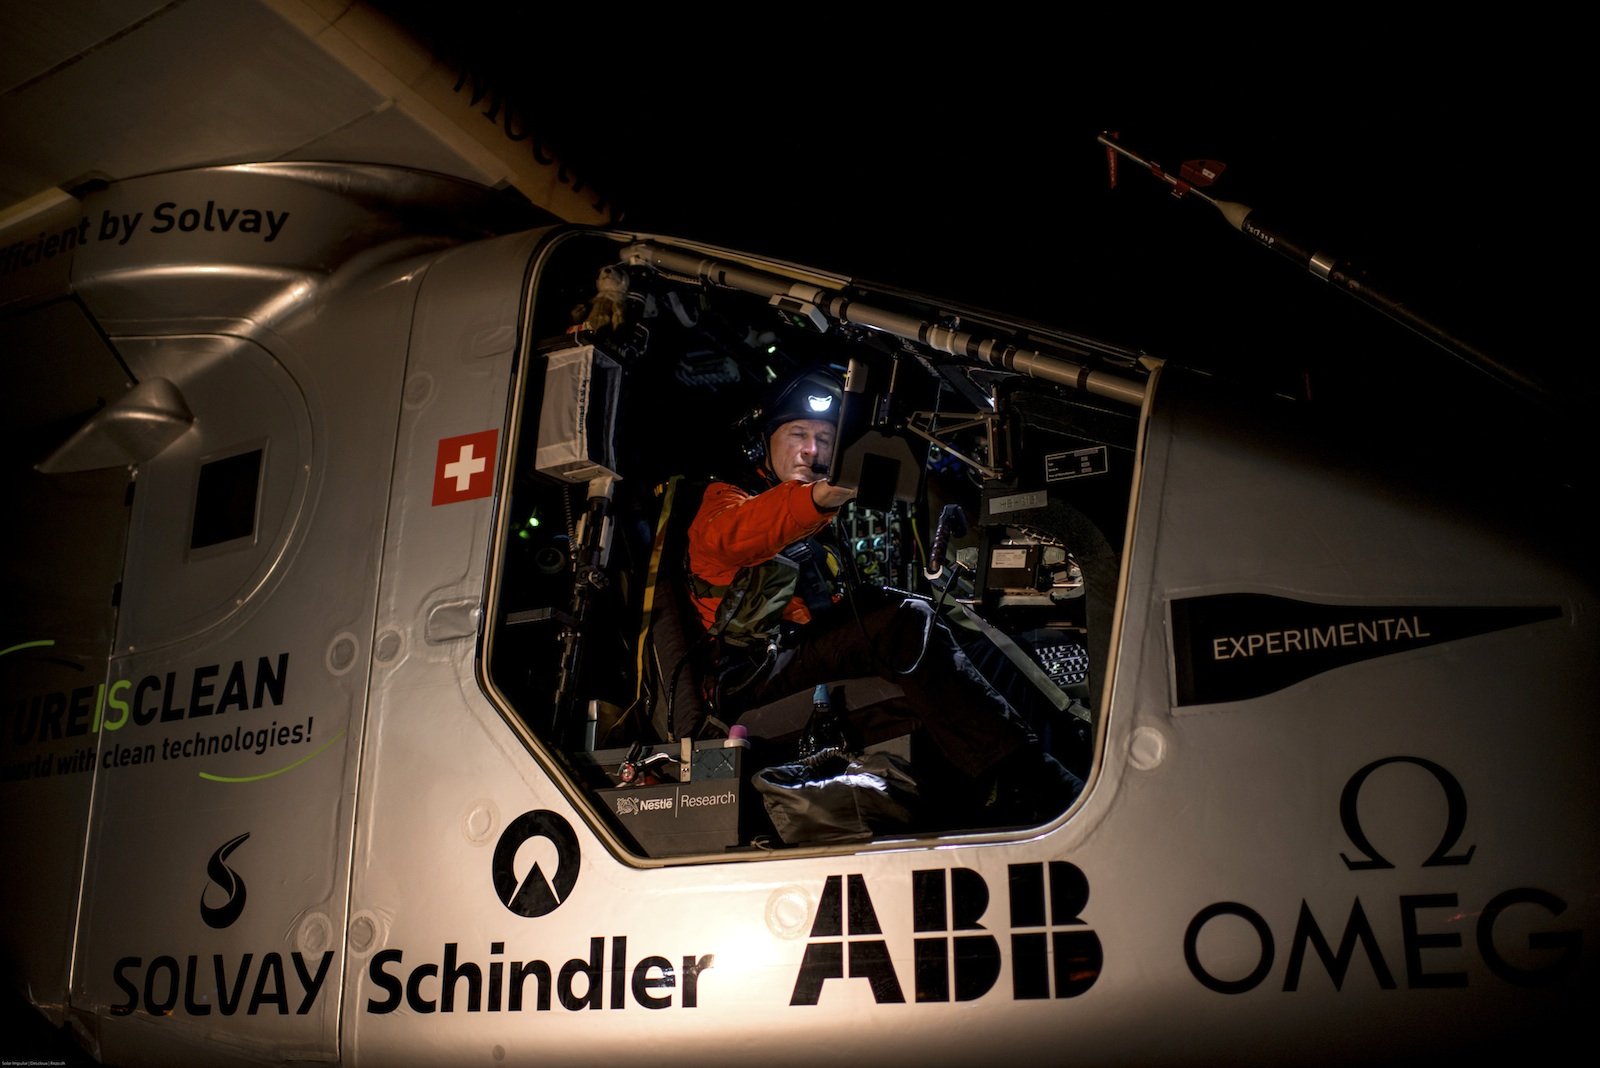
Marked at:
<point>991,463</point>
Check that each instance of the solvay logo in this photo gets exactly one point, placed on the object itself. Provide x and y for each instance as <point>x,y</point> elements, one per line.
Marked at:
<point>535,893</point>
<point>1052,952</point>
<point>228,881</point>
<point>196,984</point>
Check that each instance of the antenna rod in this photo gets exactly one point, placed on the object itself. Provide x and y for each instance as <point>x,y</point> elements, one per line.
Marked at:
<point>1341,274</point>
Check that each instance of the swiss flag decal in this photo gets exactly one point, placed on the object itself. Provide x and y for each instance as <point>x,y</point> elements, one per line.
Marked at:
<point>464,468</point>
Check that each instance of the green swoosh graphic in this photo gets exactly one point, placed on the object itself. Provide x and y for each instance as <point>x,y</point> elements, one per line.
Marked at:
<point>28,645</point>
<point>269,774</point>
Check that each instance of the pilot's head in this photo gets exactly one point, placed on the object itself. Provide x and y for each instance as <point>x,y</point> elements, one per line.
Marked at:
<point>798,427</point>
<point>796,449</point>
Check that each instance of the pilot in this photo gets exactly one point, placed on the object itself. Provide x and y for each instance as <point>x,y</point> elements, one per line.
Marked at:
<point>766,584</point>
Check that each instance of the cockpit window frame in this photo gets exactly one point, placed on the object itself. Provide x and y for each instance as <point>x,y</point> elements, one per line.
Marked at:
<point>584,798</point>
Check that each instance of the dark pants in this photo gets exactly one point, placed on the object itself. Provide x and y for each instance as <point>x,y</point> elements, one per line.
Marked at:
<point>972,725</point>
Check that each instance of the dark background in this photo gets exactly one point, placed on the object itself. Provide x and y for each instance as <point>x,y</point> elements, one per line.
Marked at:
<point>960,161</point>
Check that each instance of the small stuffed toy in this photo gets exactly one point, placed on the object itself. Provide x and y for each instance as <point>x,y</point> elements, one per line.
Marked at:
<point>607,307</point>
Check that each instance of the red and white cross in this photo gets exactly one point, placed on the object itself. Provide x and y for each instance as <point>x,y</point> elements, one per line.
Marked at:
<point>464,467</point>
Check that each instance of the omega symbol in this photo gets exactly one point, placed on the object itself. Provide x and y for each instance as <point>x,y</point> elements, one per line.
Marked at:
<point>536,894</point>
<point>1455,821</point>
<point>228,880</point>
<point>1421,932</point>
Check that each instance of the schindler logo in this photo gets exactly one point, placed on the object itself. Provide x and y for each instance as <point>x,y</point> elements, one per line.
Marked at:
<point>955,957</point>
<point>228,881</point>
<point>536,894</point>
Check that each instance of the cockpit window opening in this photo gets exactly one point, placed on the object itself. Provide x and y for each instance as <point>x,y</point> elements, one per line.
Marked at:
<point>643,388</point>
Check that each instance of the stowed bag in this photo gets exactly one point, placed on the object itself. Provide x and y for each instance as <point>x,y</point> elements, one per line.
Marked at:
<point>836,796</point>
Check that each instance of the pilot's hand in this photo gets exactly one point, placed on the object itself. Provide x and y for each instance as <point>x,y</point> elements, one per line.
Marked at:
<point>826,496</point>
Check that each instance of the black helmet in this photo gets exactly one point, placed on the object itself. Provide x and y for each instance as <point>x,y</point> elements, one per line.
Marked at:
<point>811,394</point>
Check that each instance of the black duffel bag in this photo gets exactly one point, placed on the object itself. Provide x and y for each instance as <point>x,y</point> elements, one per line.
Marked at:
<point>835,796</point>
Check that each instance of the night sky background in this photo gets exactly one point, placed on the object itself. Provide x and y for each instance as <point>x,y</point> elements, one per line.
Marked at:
<point>961,161</point>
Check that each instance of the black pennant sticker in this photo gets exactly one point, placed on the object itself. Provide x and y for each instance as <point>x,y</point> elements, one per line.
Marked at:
<point>1234,646</point>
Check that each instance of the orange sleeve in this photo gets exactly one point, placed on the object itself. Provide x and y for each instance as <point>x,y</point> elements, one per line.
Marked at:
<point>734,529</point>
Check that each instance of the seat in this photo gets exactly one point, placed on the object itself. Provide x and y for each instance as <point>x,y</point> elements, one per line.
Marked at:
<point>675,651</point>
<point>672,643</point>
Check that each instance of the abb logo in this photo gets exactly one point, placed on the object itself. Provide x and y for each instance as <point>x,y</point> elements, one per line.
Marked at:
<point>955,957</point>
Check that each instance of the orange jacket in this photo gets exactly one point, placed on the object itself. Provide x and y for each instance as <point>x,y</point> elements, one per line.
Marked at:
<point>734,530</point>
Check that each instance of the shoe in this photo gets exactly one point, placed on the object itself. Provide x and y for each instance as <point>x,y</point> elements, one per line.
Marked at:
<point>1031,787</point>
<point>1059,788</point>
